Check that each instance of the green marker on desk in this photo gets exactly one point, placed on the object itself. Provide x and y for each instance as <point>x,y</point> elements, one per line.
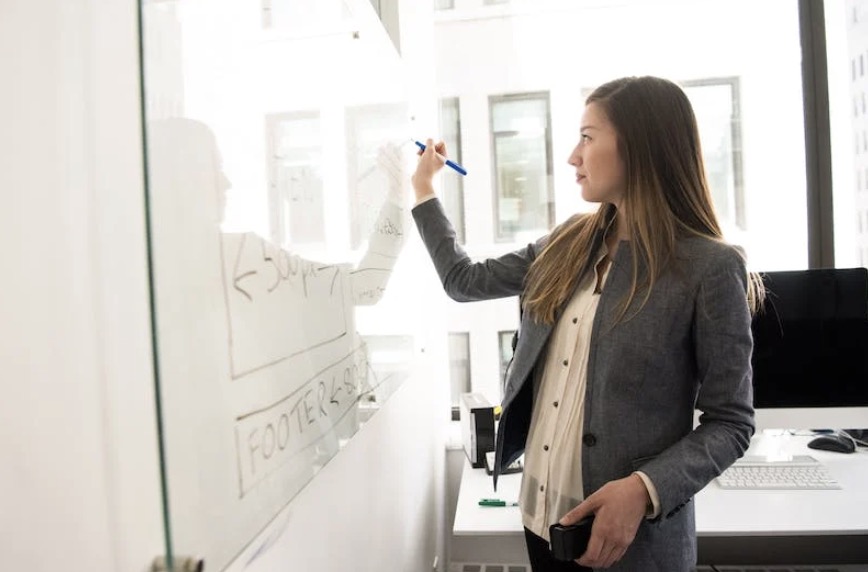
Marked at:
<point>496,502</point>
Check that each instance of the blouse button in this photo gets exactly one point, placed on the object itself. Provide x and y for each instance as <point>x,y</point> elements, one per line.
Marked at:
<point>566,362</point>
<point>589,439</point>
<point>555,403</point>
<point>545,447</point>
<point>575,320</point>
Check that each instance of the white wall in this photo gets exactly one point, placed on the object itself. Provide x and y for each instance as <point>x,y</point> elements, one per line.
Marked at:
<point>78,482</point>
<point>79,485</point>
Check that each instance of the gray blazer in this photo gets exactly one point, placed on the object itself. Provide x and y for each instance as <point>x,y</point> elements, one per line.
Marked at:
<point>690,346</point>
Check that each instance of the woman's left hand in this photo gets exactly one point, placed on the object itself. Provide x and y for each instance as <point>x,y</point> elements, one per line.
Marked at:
<point>619,507</point>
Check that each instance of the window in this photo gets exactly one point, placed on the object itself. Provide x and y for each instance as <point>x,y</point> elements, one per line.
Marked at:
<point>303,17</point>
<point>444,4</point>
<point>748,98</point>
<point>521,143</point>
<point>459,368</point>
<point>367,127</point>
<point>716,105</point>
<point>847,40</point>
<point>295,179</point>
<point>504,342</point>
<point>390,359</point>
<point>453,187</point>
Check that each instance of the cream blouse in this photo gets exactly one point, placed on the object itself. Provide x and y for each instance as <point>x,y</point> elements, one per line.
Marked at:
<point>552,480</point>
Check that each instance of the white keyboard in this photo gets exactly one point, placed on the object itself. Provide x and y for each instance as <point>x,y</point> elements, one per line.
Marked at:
<point>801,472</point>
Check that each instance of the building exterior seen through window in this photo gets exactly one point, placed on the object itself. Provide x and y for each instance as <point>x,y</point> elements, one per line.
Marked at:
<point>504,344</point>
<point>459,368</point>
<point>521,151</point>
<point>847,53</point>
<point>511,113</point>
<point>716,105</point>
<point>453,187</point>
<point>531,80</point>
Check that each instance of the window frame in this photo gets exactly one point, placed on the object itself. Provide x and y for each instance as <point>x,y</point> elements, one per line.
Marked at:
<point>818,138</point>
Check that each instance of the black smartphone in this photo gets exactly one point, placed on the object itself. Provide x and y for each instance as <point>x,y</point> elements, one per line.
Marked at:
<point>570,542</point>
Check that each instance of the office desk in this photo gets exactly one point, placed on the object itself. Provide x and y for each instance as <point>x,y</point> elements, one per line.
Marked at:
<point>733,527</point>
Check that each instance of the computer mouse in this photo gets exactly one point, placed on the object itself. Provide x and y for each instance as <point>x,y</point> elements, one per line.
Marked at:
<point>833,442</point>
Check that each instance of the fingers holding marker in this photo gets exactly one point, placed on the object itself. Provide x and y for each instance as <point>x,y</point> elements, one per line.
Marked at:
<point>440,152</point>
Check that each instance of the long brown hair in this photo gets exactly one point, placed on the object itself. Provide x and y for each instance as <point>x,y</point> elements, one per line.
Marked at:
<point>666,197</point>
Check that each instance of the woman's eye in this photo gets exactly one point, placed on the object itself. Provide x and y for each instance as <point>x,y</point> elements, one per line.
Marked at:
<point>585,138</point>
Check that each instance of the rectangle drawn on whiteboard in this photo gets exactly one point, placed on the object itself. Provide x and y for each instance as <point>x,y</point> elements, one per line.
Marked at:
<point>279,305</point>
<point>269,438</point>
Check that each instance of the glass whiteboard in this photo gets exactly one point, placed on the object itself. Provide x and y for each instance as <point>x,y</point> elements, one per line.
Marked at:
<point>276,168</point>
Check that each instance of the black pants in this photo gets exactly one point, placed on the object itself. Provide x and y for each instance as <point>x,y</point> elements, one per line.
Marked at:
<point>541,559</point>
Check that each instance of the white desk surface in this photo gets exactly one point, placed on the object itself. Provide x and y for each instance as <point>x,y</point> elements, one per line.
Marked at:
<point>719,512</point>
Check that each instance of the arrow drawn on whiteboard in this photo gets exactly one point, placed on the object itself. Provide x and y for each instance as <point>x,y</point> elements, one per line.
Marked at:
<point>239,277</point>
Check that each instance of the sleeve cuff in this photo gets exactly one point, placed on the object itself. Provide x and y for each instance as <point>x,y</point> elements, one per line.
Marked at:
<point>654,510</point>
<point>425,199</point>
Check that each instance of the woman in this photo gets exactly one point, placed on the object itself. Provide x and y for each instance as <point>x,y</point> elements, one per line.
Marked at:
<point>632,317</point>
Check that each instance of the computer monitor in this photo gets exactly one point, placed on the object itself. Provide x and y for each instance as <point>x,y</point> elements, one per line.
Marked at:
<point>810,359</point>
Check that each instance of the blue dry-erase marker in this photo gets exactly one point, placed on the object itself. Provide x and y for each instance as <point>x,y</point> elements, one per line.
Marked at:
<point>448,162</point>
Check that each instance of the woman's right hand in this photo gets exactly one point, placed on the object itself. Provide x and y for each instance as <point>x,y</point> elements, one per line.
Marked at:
<point>428,165</point>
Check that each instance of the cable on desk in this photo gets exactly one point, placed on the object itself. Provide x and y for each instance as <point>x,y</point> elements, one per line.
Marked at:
<point>853,435</point>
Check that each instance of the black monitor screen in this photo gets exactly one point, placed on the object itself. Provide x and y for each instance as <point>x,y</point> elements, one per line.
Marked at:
<point>811,339</point>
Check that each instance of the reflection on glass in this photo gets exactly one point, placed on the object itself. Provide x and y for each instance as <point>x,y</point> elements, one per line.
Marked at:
<point>296,180</point>
<point>521,135</point>
<point>263,374</point>
<point>389,364</point>
<point>258,353</point>
<point>366,127</point>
